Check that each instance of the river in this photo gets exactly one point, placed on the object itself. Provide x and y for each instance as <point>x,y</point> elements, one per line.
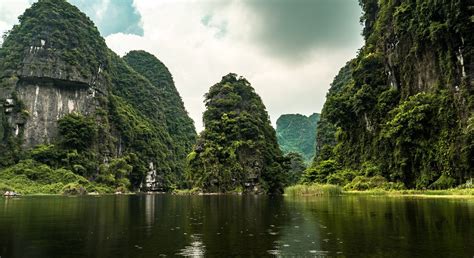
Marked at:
<point>231,225</point>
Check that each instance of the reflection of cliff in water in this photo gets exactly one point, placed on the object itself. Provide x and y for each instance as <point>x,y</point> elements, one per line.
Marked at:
<point>230,225</point>
<point>387,226</point>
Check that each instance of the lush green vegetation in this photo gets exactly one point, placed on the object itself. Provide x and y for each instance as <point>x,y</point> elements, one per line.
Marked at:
<point>313,190</point>
<point>180,125</point>
<point>116,145</point>
<point>295,166</point>
<point>400,114</point>
<point>138,116</point>
<point>238,149</point>
<point>297,133</point>
<point>32,177</point>
<point>63,30</point>
<point>370,186</point>
<point>452,192</point>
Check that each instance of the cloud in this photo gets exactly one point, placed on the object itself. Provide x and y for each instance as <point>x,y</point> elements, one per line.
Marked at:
<point>9,12</point>
<point>201,41</point>
<point>294,29</point>
<point>112,16</point>
<point>289,50</point>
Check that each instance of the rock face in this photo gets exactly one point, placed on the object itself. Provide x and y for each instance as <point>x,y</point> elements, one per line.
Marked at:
<point>42,70</point>
<point>180,125</point>
<point>238,150</point>
<point>405,105</point>
<point>55,63</point>
<point>46,103</point>
<point>297,133</point>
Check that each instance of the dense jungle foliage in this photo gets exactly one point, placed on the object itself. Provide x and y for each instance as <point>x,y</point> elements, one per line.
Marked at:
<point>295,166</point>
<point>401,114</point>
<point>111,149</point>
<point>60,27</point>
<point>297,133</point>
<point>180,125</point>
<point>238,150</point>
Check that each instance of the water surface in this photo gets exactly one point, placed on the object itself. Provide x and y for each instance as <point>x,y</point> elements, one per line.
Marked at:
<point>245,226</point>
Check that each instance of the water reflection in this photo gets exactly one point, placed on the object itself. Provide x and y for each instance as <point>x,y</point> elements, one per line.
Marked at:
<point>149,211</point>
<point>300,236</point>
<point>223,226</point>
<point>388,226</point>
<point>195,249</point>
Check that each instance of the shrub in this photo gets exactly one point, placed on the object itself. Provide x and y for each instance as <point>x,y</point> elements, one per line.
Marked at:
<point>337,179</point>
<point>321,172</point>
<point>443,182</point>
<point>369,169</point>
<point>4,187</point>
<point>74,189</point>
<point>77,131</point>
<point>361,183</point>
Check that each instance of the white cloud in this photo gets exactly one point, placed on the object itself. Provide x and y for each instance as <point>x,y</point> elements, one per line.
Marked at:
<point>9,12</point>
<point>175,33</point>
<point>199,55</point>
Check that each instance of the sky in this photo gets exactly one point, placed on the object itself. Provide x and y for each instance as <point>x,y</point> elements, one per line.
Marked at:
<point>289,50</point>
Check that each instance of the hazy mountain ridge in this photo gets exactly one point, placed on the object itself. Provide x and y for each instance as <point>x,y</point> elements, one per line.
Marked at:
<point>297,133</point>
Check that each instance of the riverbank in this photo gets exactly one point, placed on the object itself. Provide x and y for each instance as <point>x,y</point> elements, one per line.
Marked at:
<point>293,191</point>
<point>448,193</point>
<point>333,190</point>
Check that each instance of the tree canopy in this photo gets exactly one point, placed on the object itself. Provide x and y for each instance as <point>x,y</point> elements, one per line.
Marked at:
<point>238,150</point>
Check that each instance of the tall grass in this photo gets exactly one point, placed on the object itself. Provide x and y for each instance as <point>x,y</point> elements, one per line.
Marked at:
<point>332,190</point>
<point>448,192</point>
<point>313,190</point>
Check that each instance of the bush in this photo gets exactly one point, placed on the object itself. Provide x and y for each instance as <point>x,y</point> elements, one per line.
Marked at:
<point>369,169</point>
<point>115,173</point>
<point>443,182</point>
<point>337,179</point>
<point>361,183</point>
<point>4,188</point>
<point>47,154</point>
<point>74,189</point>
<point>77,131</point>
<point>342,177</point>
<point>31,177</point>
<point>321,172</point>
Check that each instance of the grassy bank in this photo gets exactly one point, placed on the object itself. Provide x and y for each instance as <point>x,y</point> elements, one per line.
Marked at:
<point>333,190</point>
<point>447,192</point>
<point>313,190</point>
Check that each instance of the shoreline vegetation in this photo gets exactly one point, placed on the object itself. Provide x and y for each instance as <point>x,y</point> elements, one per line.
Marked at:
<point>333,190</point>
<point>300,190</point>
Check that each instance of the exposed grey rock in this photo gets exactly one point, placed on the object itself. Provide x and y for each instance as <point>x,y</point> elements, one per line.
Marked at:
<point>48,88</point>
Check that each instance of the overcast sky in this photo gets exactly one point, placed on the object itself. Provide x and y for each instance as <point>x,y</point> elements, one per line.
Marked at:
<point>289,50</point>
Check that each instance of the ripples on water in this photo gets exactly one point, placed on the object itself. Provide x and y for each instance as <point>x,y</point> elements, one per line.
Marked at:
<point>195,249</point>
<point>226,226</point>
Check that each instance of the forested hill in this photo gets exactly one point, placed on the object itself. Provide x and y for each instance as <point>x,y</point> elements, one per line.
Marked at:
<point>297,133</point>
<point>238,149</point>
<point>403,109</point>
<point>75,117</point>
<point>179,125</point>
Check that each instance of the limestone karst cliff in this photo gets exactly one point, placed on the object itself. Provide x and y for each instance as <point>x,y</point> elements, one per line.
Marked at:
<point>238,149</point>
<point>179,125</point>
<point>404,108</point>
<point>297,133</point>
<point>57,76</point>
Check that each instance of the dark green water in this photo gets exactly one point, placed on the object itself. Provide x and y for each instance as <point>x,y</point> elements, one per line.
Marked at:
<point>229,226</point>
